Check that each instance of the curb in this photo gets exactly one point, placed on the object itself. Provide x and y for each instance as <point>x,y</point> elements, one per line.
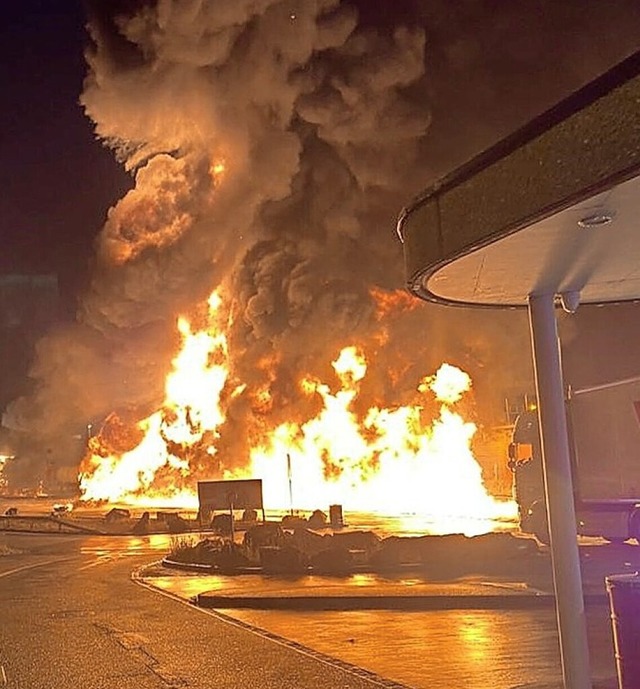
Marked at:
<point>424,603</point>
<point>445,601</point>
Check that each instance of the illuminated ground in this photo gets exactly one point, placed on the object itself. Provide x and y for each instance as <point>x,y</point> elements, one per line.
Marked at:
<point>437,648</point>
<point>72,618</point>
<point>92,516</point>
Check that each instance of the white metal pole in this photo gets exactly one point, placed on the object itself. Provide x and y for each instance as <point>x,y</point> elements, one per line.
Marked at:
<point>567,578</point>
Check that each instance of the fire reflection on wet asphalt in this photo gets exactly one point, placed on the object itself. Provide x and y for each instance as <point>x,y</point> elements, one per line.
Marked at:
<point>471,648</point>
<point>457,648</point>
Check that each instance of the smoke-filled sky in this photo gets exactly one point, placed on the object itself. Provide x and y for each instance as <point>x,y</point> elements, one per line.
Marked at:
<point>264,146</point>
<point>490,65</point>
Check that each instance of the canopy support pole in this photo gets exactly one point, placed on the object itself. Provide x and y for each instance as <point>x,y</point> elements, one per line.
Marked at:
<point>565,557</point>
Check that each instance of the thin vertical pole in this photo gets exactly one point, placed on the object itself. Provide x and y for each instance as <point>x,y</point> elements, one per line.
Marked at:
<point>290,484</point>
<point>567,578</point>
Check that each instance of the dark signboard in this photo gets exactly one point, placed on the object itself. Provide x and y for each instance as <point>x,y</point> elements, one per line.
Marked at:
<point>225,495</point>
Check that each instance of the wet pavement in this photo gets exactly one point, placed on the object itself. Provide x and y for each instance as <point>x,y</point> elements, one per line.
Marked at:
<point>475,649</point>
<point>475,632</point>
<point>72,617</point>
<point>358,591</point>
<point>449,646</point>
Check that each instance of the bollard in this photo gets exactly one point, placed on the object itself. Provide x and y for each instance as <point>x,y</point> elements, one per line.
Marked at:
<point>624,599</point>
<point>335,516</point>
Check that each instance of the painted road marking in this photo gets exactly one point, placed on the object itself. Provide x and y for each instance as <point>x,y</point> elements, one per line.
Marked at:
<point>103,559</point>
<point>36,564</point>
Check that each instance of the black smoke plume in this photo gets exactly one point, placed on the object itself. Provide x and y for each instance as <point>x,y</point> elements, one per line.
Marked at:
<point>271,144</point>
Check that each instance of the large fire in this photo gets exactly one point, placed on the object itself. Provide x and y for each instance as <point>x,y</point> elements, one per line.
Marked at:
<point>410,459</point>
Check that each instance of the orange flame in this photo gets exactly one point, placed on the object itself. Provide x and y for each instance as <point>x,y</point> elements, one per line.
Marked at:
<point>393,461</point>
<point>390,461</point>
<point>392,302</point>
<point>188,420</point>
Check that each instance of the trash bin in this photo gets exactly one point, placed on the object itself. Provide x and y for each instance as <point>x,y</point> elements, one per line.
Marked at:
<point>624,599</point>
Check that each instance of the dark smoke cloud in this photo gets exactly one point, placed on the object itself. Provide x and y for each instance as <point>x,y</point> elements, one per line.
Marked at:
<point>271,144</point>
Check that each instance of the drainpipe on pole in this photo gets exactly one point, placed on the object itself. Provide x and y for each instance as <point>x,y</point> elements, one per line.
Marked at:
<point>567,578</point>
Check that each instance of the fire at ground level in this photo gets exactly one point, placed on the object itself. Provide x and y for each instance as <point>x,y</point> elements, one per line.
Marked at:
<point>423,457</point>
<point>149,513</point>
<point>438,478</point>
<point>48,514</point>
<point>475,494</point>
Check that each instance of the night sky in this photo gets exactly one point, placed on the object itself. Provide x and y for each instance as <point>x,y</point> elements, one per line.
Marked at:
<point>490,66</point>
<point>57,181</point>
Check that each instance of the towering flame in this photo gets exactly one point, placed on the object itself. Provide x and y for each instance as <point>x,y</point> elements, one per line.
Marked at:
<point>172,442</point>
<point>414,458</point>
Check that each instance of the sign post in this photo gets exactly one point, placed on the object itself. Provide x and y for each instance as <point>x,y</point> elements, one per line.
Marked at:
<point>229,495</point>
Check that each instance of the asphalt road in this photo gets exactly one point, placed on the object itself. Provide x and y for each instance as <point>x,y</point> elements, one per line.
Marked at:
<point>507,640</point>
<point>71,616</point>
